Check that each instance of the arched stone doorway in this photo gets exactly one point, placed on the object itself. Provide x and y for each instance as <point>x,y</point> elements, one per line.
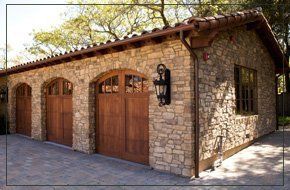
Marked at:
<point>122,103</point>
<point>59,119</point>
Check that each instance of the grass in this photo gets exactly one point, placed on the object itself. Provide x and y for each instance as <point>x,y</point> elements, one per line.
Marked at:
<point>284,120</point>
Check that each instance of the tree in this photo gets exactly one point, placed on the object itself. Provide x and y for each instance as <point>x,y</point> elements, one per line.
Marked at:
<point>278,16</point>
<point>87,24</point>
<point>3,55</point>
<point>11,60</point>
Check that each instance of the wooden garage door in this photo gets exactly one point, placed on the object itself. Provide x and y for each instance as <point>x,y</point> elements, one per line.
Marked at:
<point>59,112</point>
<point>122,116</point>
<point>23,110</point>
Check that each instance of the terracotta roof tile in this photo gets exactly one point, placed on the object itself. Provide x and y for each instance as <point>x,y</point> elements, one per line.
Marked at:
<point>192,23</point>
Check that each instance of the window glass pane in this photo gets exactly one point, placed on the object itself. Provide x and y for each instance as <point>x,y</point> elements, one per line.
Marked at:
<point>252,106</point>
<point>137,84</point>
<point>251,93</point>
<point>247,92</point>
<point>237,75</point>
<point>115,84</point>
<point>67,88</point>
<point>245,105</point>
<point>237,88</point>
<point>53,89</point>
<point>245,76</point>
<point>128,84</point>
<point>145,85</point>
<point>244,92</point>
<point>21,90</point>
<point>108,85</point>
<point>251,77</point>
<point>102,87</point>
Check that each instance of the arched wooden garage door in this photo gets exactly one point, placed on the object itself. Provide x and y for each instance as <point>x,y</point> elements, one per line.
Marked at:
<point>23,110</point>
<point>59,111</point>
<point>122,116</point>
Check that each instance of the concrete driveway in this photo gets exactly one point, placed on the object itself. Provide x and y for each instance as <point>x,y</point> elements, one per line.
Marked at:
<point>36,163</point>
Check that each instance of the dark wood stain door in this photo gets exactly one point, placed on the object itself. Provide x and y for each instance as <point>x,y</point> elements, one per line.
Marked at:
<point>59,112</point>
<point>23,110</point>
<point>122,116</point>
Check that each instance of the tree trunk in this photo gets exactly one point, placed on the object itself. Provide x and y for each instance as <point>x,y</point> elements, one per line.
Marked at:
<point>164,19</point>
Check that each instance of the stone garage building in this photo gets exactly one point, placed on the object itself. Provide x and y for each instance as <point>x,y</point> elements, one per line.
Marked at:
<point>101,99</point>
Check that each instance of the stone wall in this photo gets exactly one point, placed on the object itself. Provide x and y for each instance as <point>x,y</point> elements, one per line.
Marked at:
<point>217,91</point>
<point>170,127</point>
<point>171,130</point>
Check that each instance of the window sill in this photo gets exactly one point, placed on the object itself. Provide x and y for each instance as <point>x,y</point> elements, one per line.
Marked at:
<point>246,115</point>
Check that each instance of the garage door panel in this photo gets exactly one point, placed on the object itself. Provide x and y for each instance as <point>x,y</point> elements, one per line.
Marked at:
<point>122,116</point>
<point>59,112</point>
<point>23,110</point>
<point>137,127</point>
<point>52,126</point>
<point>67,129</point>
<point>28,116</point>
<point>109,105</point>
<point>67,105</point>
<point>110,123</point>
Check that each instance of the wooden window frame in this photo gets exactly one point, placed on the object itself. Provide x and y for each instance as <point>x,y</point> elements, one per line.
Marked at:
<point>250,101</point>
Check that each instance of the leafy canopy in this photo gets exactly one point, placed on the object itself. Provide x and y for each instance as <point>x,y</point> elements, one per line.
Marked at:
<point>88,24</point>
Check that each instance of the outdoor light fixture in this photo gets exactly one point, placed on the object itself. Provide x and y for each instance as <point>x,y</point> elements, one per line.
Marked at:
<point>162,85</point>
<point>205,56</point>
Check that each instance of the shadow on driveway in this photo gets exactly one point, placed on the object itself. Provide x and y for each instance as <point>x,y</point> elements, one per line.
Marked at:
<point>36,163</point>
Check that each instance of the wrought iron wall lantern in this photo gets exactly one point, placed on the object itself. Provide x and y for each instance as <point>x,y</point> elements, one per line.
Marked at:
<point>162,85</point>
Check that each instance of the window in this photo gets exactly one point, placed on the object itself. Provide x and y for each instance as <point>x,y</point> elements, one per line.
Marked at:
<point>67,88</point>
<point>53,88</point>
<point>21,90</point>
<point>246,90</point>
<point>110,85</point>
<point>135,84</point>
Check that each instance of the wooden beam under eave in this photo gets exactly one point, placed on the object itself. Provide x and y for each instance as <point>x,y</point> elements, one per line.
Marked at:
<point>253,25</point>
<point>138,44</point>
<point>103,51</point>
<point>158,40</point>
<point>128,46</point>
<point>118,48</point>
<point>55,62</point>
<point>94,53</point>
<point>204,40</point>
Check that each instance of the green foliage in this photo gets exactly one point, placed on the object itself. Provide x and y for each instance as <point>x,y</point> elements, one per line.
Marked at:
<point>277,14</point>
<point>283,120</point>
<point>3,55</point>
<point>281,84</point>
<point>88,24</point>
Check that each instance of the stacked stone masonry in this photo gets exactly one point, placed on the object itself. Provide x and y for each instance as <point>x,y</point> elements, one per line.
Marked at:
<point>217,91</point>
<point>171,128</point>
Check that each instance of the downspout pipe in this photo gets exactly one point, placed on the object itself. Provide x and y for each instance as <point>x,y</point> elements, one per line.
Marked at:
<point>196,94</point>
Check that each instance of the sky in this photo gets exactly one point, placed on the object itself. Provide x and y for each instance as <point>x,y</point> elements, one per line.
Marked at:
<point>22,19</point>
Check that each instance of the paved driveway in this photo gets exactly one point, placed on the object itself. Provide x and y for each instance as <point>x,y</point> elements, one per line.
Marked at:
<point>36,163</point>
